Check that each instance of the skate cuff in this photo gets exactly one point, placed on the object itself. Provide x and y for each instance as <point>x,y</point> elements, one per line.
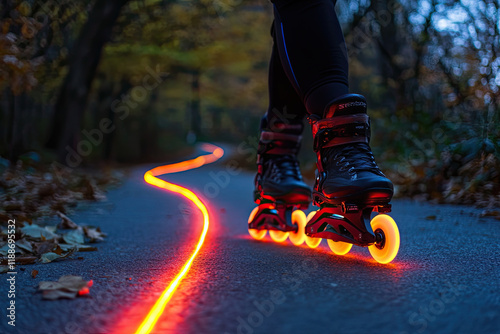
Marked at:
<point>279,143</point>
<point>354,103</point>
<point>268,136</point>
<point>341,130</point>
<point>283,127</point>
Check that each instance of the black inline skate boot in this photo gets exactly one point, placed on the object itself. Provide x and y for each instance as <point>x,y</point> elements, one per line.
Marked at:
<point>349,184</point>
<point>279,188</point>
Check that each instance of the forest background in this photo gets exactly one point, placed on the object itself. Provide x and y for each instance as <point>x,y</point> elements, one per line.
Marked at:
<point>92,83</point>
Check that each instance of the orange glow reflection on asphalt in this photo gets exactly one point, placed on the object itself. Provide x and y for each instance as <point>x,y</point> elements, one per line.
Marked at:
<point>151,178</point>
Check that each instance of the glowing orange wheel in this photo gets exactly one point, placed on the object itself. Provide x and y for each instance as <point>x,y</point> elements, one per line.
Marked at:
<point>312,242</point>
<point>256,234</point>
<point>387,251</point>
<point>278,236</point>
<point>339,247</point>
<point>299,218</point>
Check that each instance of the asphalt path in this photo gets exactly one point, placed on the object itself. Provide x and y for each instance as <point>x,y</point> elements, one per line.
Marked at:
<point>445,278</point>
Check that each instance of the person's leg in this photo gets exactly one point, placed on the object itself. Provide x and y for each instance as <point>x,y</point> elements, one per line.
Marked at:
<point>313,58</point>
<point>281,133</point>
<point>285,105</point>
<point>312,49</point>
<point>279,187</point>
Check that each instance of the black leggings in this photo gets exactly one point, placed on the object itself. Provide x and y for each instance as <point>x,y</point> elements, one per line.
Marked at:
<point>308,67</point>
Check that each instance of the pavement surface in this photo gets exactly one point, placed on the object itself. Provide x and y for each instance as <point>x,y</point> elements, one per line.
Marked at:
<point>445,279</point>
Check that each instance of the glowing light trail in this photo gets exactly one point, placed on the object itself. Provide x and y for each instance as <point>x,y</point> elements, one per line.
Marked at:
<point>151,178</point>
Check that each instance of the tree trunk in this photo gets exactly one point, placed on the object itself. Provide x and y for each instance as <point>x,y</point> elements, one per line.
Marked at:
<point>86,53</point>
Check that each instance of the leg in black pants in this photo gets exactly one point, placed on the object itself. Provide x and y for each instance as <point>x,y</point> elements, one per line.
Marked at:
<point>311,47</point>
<point>308,70</point>
<point>309,74</point>
<point>285,105</point>
<point>312,50</point>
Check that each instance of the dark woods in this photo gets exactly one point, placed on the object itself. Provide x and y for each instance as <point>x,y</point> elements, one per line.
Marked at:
<point>128,81</point>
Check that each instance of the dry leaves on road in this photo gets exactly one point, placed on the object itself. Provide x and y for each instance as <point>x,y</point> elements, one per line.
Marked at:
<point>66,287</point>
<point>46,244</point>
<point>31,190</point>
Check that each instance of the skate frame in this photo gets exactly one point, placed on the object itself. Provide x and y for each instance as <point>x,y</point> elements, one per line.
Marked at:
<point>274,216</point>
<point>347,223</point>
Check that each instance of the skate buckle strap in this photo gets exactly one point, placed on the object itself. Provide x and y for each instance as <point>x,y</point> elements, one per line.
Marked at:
<point>279,143</point>
<point>341,130</point>
<point>280,127</point>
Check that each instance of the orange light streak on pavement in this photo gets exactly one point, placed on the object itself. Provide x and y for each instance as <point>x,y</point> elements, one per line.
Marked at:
<point>151,178</point>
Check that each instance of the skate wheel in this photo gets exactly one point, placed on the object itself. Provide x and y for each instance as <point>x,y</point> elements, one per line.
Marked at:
<point>299,218</point>
<point>312,242</point>
<point>386,252</point>
<point>339,247</point>
<point>256,234</point>
<point>278,236</point>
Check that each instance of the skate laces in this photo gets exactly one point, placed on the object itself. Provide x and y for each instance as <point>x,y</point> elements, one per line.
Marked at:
<point>285,166</point>
<point>352,158</point>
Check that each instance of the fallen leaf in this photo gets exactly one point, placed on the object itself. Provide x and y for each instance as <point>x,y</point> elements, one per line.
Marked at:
<point>79,248</point>
<point>26,259</point>
<point>18,248</point>
<point>74,237</point>
<point>67,287</point>
<point>57,294</point>
<point>49,285</point>
<point>49,257</point>
<point>86,248</point>
<point>94,234</point>
<point>58,250</point>
<point>24,245</point>
<point>4,250</point>
<point>52,229</point>
<point>34,273</point>
<point>44,247</point>
<point>65,248</point>
<point>74,283</point>
<point>66,222</point>
<point>37,232</point>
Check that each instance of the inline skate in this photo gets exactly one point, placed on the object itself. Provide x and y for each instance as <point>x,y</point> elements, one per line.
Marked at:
<point>280,192</point>
<point>349,185</point>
